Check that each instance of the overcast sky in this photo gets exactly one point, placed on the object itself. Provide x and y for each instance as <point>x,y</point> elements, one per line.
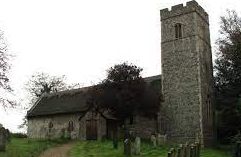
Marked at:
<point>83,38</point>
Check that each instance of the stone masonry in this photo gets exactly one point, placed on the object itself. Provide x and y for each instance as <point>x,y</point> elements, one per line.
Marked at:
<point>187,78</point>
<point>38,127</point>
<point>143,127</point>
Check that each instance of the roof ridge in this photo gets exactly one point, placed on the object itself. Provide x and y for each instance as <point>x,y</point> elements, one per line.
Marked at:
<point>68,91</point>
<point>75,90</point>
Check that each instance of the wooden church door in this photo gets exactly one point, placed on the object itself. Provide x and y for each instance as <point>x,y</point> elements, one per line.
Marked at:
<point>91,129</point>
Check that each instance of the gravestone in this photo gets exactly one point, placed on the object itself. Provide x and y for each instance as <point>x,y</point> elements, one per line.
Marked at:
<point>127,147</point>
<point>8,135</point>
<point>132,140</point>
<point>186,150</point>
<point>161,139</point>
<point>127,143</point>
<point>237,150</point>
<point>181,151</point>
<point>3,139</point>
<point>153,140</point>
<point>137,146</point>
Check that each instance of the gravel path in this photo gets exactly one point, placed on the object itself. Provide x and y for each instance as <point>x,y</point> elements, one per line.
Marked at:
<point>59,151</point>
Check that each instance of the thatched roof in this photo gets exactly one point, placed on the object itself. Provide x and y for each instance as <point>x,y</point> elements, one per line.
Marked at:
<point>65,102</point>
<point>152,78</point>
<point>70,101</point>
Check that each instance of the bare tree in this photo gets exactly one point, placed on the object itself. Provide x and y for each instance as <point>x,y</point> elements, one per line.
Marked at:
<point>41,83</point>
<point>4,69</point>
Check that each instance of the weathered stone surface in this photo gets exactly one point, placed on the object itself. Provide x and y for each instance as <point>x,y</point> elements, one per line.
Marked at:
<point>132,141</point>
<point>161,139</point>
<point>153,140</point>
<point>38,127</point>
<point>8,135</point>
<point>143,126</point>
<point>127,147</point>
<point>137,146</point>
<point>187,79</point>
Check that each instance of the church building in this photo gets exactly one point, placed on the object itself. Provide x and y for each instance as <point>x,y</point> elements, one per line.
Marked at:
<point>186,84</point>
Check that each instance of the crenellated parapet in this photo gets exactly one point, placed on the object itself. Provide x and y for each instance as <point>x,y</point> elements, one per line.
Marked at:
<point>180,9</point>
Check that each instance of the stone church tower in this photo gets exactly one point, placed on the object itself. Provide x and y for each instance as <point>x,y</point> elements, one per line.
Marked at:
<point>187,77</point>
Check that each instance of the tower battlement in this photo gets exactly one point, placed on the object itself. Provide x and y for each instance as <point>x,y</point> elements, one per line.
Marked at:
<point>180,9</point>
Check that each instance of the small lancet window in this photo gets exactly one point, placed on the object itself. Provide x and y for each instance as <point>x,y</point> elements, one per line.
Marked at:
<point>51,125</point>
<point>131,120</point>
<point>209,109</point>
<point>178,31</point>
<point>71,126</point>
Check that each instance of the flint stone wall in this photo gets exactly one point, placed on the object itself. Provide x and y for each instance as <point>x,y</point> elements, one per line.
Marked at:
<point>186,73</point>
<point>143,127</point>
<point>38,127</point>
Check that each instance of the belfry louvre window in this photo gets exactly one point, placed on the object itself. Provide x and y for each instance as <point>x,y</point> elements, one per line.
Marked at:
<point>178,31</point>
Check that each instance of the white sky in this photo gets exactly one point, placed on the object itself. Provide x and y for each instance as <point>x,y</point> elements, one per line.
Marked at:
<point>83,38</point>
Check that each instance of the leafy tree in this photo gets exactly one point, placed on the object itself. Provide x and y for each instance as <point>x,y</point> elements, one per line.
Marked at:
<point>124,93</point>
<point>4,78</point>
<point>228,75</point>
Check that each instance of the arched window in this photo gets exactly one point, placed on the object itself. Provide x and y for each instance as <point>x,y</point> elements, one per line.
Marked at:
<point>209,108</point>
<point>71,126</point>
<point>51,125</point>
<point>178,31</point>
<point>132,119</point>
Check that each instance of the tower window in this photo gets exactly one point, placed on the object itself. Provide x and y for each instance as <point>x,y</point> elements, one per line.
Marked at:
<point>178,31</point>
<point>209,109</point>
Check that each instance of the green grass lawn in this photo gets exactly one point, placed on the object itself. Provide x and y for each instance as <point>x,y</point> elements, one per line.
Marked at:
<point>215,153</point>
<point>23,147</point>
<point>105,149</point>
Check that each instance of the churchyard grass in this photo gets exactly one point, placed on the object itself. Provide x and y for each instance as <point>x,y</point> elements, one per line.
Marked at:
<point>105,149</point>
<point>207,152</point>
<point>23,147</point>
